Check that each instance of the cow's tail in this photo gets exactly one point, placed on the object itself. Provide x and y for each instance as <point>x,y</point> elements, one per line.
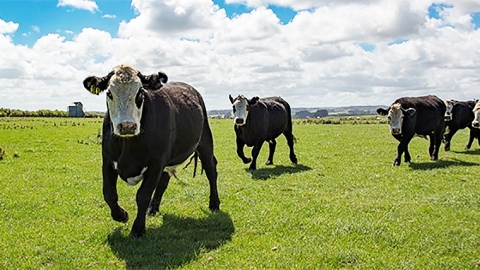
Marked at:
<point>193,158</point>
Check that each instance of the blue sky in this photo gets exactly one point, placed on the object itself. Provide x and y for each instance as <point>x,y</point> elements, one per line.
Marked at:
<point>313,53</point>
<point>38,17</point>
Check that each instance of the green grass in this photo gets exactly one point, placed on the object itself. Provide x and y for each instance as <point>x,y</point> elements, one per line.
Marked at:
<point>343,206</point>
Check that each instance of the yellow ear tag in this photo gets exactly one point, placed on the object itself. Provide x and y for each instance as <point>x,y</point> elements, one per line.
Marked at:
<point>94,90</point>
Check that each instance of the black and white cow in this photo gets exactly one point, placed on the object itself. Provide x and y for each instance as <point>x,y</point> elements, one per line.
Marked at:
<point>459,115</point>
<point>260,120</point>
<point>149,128</point>
<point>409,116</point>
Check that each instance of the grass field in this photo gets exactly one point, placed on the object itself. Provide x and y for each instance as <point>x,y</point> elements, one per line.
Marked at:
<point>343,206</point>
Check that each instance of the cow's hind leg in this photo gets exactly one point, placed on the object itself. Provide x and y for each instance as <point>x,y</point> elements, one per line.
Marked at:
<point>209,164</point>
<point>290,141</point>
<point>272,144</point>
<point>162,184</point>
<point>470,139</point>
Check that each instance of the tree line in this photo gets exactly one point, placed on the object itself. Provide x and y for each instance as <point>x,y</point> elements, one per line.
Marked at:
<point>5,112</point>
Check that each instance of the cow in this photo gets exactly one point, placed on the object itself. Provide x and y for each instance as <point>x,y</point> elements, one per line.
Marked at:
<point>476,116</point>
<point>150,127</point>
<point>409,116</point>
<point>459,115</point>
<point>258,120</point>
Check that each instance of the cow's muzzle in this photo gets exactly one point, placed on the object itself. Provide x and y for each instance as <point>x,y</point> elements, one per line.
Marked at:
<point>448,117</point>
<point>476,124</point>
<point>127,129</point>
<point>396,131</point>
<point>239,121</point>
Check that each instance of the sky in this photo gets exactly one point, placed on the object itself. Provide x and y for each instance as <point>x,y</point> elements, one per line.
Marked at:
<point>313,53</point>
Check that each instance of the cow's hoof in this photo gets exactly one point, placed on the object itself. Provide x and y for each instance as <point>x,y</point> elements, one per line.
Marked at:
<point>447,148</point>
<point>120,216</point>
<point>137,234</point>
<point>252,168</point>
<point>396,163</point>
<point>246,160</point>
<point>152,212</point>
<point>269,162</point>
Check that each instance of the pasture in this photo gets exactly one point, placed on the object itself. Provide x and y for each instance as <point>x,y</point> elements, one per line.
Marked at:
<point>343,206</point>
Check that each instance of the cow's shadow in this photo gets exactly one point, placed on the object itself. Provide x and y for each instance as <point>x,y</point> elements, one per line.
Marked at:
<point>275,170</point>
<point>176,242</point>
<point>440,164</point>
<point>468,152</point>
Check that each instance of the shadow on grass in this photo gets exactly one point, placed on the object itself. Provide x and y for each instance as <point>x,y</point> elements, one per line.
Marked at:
<point>265,173</point>
<point>468,152</point>
<point>178,241</point>
<point>440,164</point>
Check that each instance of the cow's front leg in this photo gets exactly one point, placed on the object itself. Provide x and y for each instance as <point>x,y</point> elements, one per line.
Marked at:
<point>271,145</point>
<point>240,145</point>
<point>255,151</point>
<point>110,194</point>
<point>162,184</point>
<point>401,148</point>
<point>144,195</point>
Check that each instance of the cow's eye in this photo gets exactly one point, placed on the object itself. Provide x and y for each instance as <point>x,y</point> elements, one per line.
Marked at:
<point>139,98</point>
<point>109,95</point>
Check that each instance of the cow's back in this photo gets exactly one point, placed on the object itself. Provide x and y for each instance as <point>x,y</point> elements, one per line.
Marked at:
<point>429,116</point>
<point>175,116</point>
<point>462,114</point>
<point>278,116</point>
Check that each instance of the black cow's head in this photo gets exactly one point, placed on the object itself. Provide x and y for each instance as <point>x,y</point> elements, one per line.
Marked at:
<point>241,106</point>
<point>396,115</point>
<point>125,88</point>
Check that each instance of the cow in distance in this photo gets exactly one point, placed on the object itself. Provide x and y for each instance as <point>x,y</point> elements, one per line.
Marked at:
<point>459,115</point>
<point>410,116</point>
<point>258,120</point>
<point>150,127</point>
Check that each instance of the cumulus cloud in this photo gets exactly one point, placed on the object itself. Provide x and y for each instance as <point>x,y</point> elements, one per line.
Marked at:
<point>7,27</point>
<point>89,5</point>
<point>315,60</point>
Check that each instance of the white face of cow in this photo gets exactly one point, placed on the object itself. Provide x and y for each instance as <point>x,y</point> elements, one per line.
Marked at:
<point>395,119</point>
<point>448,114</point>
<point>476,113</point>
<point>125,101</point>
<point>240,110</point>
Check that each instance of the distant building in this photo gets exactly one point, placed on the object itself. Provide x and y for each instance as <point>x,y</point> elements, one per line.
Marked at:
<point>76,110</point>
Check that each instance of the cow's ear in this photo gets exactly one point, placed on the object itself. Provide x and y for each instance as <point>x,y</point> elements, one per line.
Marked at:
<point>95,85</point>
<point>409,112</point>
<point>253,100</point>
<point>154,81</point>
<point>231,98</point>
<point>382,111</point>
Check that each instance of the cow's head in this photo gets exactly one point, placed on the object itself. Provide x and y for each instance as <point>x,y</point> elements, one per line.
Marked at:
<point>125,88</point>
<point>396,115</point>
<point>476,114</point>
<point>449,103</point>
<point>241,106</point>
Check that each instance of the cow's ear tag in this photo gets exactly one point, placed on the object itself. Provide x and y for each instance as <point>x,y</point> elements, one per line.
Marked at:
<point>94,90</point>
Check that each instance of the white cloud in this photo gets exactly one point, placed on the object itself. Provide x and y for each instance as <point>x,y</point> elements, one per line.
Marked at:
<point>314,60</point>
<point>89,5</point>
<point>109,16</point>
<point>7,27</point>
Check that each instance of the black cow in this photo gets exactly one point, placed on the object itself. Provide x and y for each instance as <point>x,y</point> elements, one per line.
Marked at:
<point>259,120</point>
<point>409,116</point>
<point>459,115</point>
<point>147,132</point>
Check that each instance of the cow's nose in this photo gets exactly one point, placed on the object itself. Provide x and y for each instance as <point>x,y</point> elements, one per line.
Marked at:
<point>239,121</point>
<point>127,128</point>
<point>476,124</point>
<point>396,131</point>
<point>448,117</point>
